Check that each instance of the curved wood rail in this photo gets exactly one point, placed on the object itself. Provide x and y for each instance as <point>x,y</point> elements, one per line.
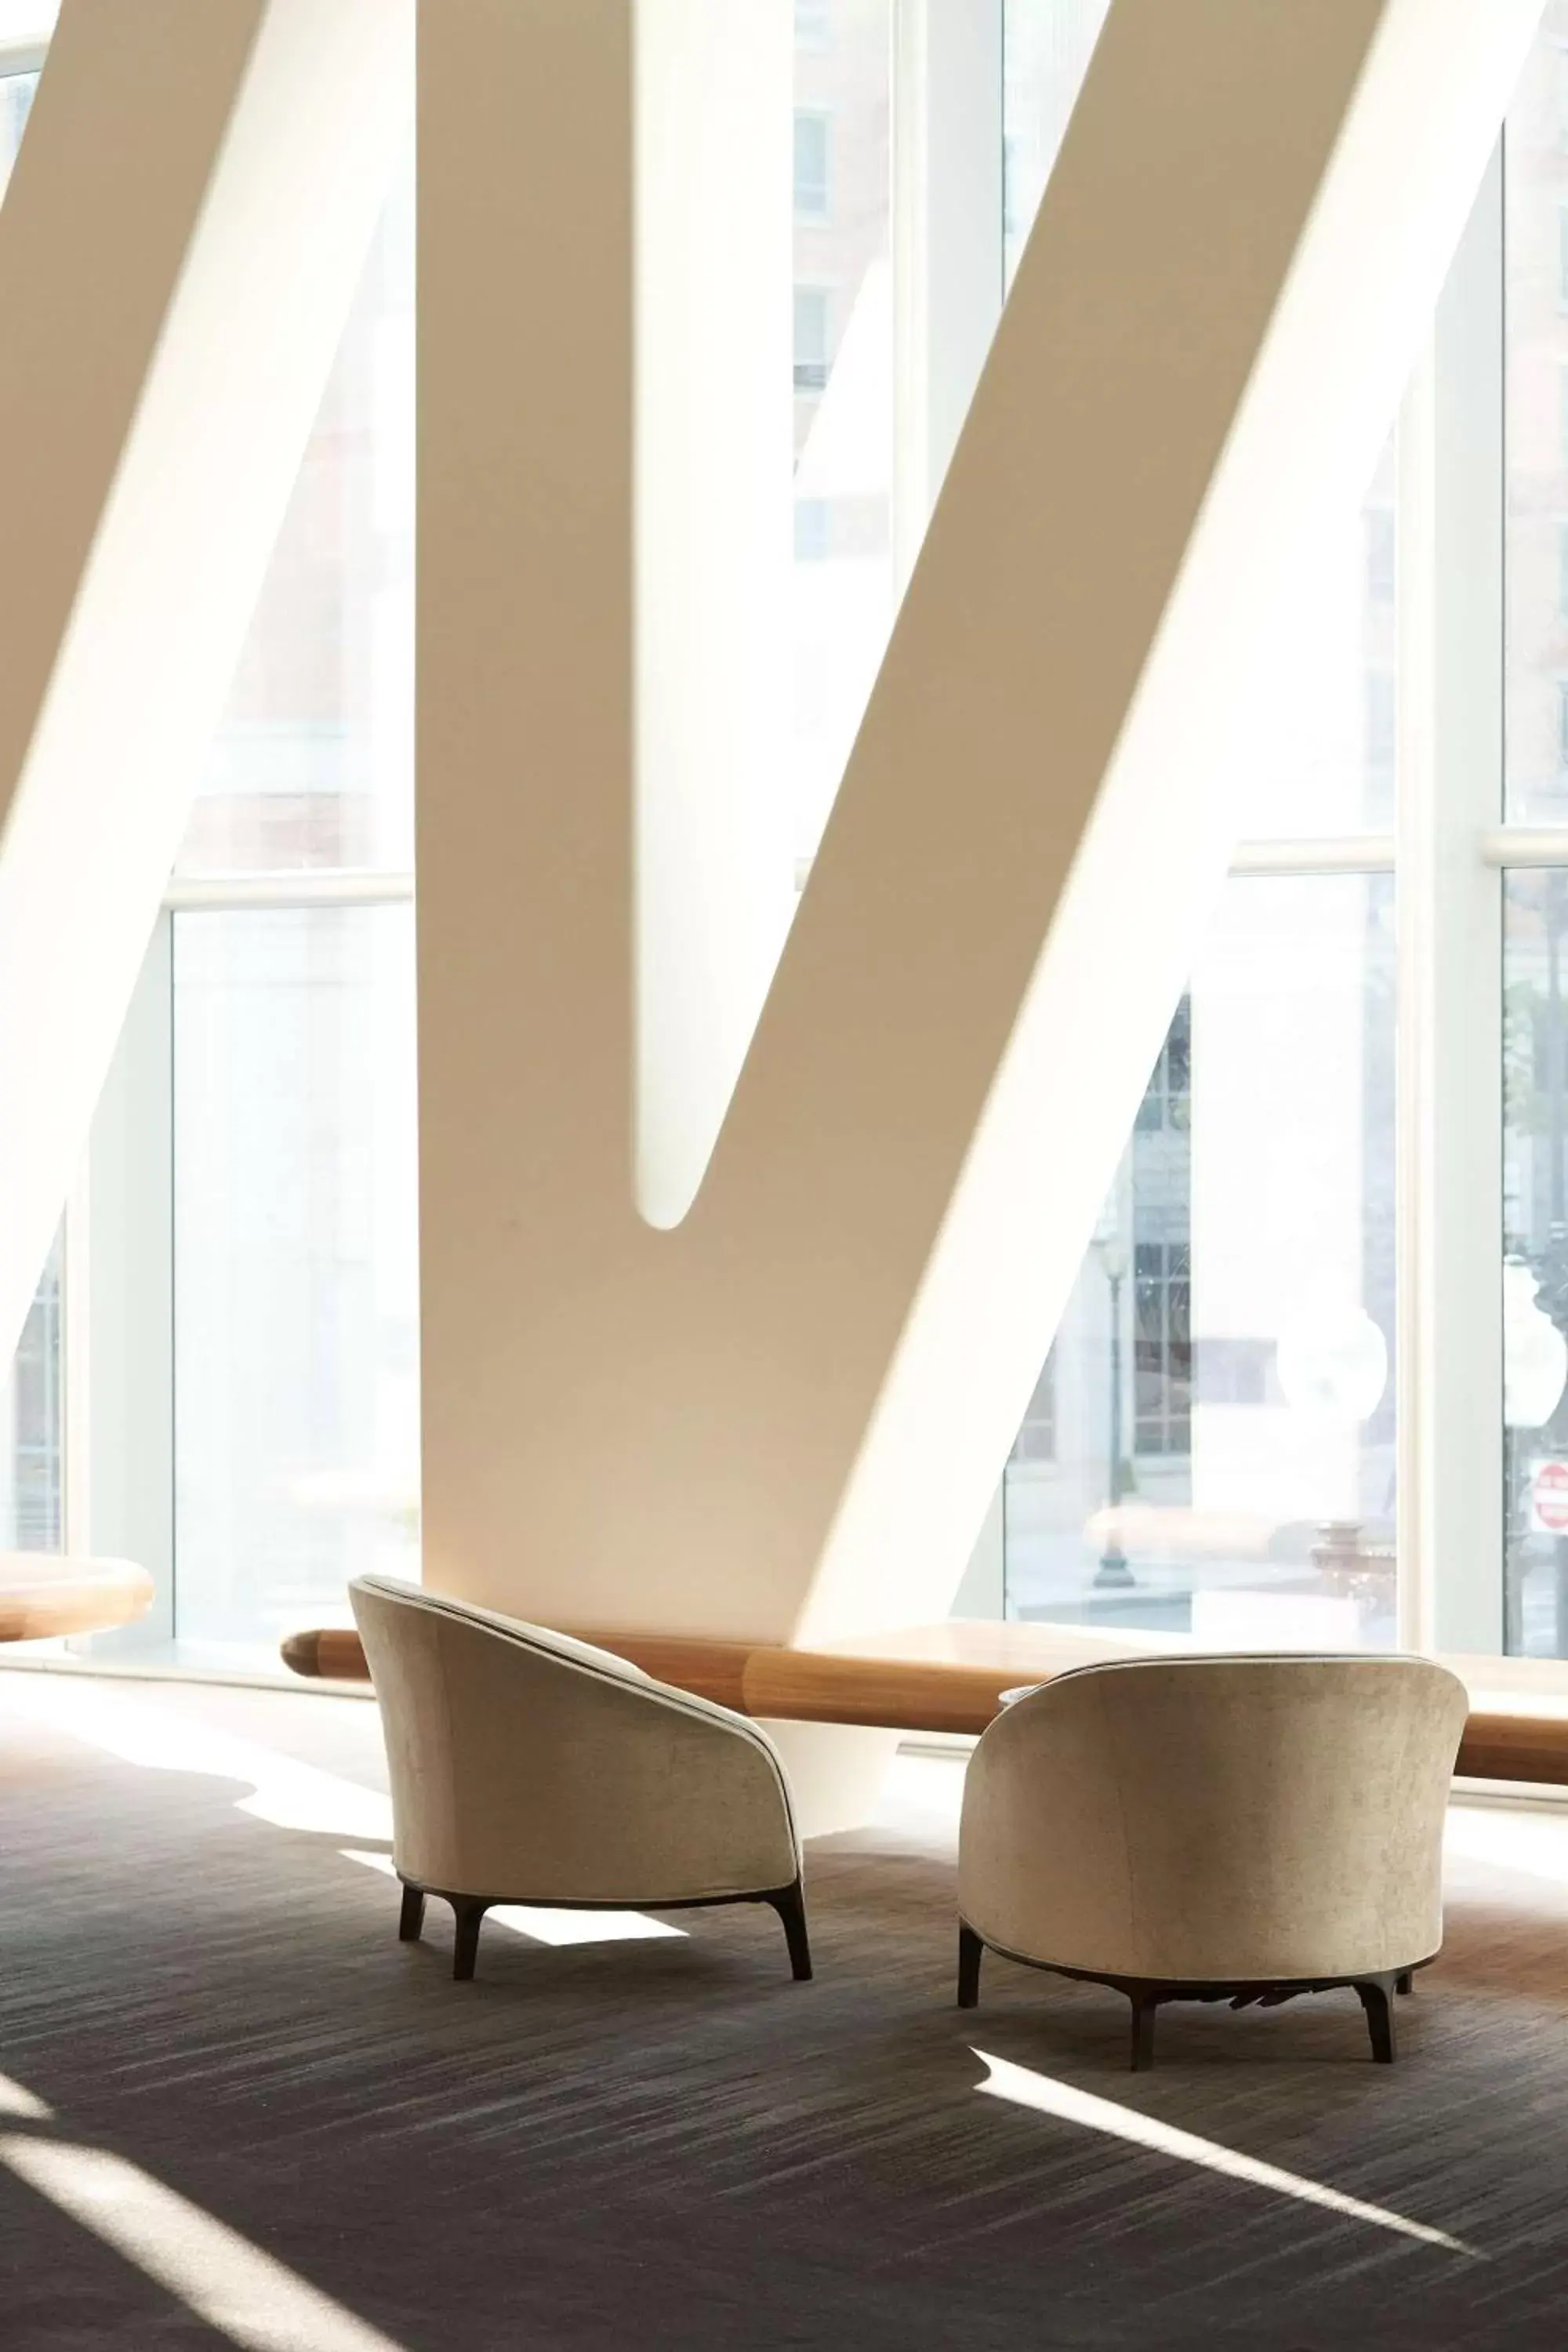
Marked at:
<point>757,1679</point>
<point>45,1595</point>
<point>914,1693</point>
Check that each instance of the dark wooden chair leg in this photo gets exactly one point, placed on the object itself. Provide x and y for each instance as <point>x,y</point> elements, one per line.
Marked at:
<point>1405,1982</point>
<point>470,1917</point>
<point>1145,2009</point>
<point>971,1952</point>
<point>789,1902</point>
<point>1376,1998</point>
<point>411,1919</point>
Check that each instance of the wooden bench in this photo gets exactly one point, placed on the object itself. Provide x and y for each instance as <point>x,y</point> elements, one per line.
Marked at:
<point>44,1595</point>
<point>936,1678</point>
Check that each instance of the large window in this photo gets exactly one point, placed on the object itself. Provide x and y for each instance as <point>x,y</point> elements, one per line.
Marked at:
<point>257,1351</point>
<point>844,389</point>
<point>313,766</point>
<point>295,1434</point>
<point>1047,46</point>
<point>32,1431</point>
<point>1312,1384</point>
<point>16,104</point>
<point>1222,1455</point>
<point>295,1325</point>
<point>32,1390</point>
<point>1534,1500</point>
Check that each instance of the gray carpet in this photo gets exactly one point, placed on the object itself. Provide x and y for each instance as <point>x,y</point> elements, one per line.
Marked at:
<point>670,2144</point>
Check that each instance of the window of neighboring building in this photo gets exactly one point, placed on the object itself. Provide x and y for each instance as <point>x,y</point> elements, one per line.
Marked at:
<point>812,151</point>
<point>1163,1347</point>
<point>813,530</point>
<point>1167,1103</point>
<point>812,317</point>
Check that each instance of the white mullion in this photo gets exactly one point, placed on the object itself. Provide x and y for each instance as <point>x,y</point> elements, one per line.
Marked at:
<point>238,893</point>
<point>947,239</point>
<point>1525,845</point>
<point>1351,853</point>
<point>1450,961</point>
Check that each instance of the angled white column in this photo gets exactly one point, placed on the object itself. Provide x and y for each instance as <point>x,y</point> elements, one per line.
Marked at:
<point>786,1417</point>
<point>178,248</point>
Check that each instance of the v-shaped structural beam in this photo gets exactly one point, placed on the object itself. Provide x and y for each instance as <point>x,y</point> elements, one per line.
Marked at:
<point>784,1417</point>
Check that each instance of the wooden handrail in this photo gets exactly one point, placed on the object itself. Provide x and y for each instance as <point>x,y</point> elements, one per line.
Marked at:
<point>929,1693</point>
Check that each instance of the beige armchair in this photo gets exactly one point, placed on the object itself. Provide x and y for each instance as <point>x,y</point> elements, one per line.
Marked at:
<point>530,1768</point>
<point>1214,1828</point>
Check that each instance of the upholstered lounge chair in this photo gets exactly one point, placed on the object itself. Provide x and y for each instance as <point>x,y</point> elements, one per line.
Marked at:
<point>530,1768</point>
<point>1237,1828</point>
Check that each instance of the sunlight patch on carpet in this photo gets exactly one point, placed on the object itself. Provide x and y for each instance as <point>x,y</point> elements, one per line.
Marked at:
<point>290,1796</point>
<point>1047,2096</point>
<point>554,1927</point>
<point>17,2101</point>
<point>242,2292</point>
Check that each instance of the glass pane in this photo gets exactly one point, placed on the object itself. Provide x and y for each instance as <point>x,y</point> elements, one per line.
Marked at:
<point>313,765</point>
<point>32,1392</point>
<point>1324,740</point>
<point>843,573</point>
<point>1325,716</point>
<point>296,1321</point>
<point>1210,1448</point>
<point>16,102</point>
<point>32,1415</point>
<point>1047,46</point>
<point>1536,169</point>
<point>1536,1269</point>
<point>27,20</point>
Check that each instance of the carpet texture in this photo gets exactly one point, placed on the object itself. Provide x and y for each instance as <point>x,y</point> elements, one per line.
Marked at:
<point>668,2143</point>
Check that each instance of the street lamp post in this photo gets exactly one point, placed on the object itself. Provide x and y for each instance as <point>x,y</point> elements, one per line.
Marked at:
<point>1113,1573</point>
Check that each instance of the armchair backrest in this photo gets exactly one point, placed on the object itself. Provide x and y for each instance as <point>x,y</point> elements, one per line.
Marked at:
<point>526,1764</point>
<point>1216,1818</point>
